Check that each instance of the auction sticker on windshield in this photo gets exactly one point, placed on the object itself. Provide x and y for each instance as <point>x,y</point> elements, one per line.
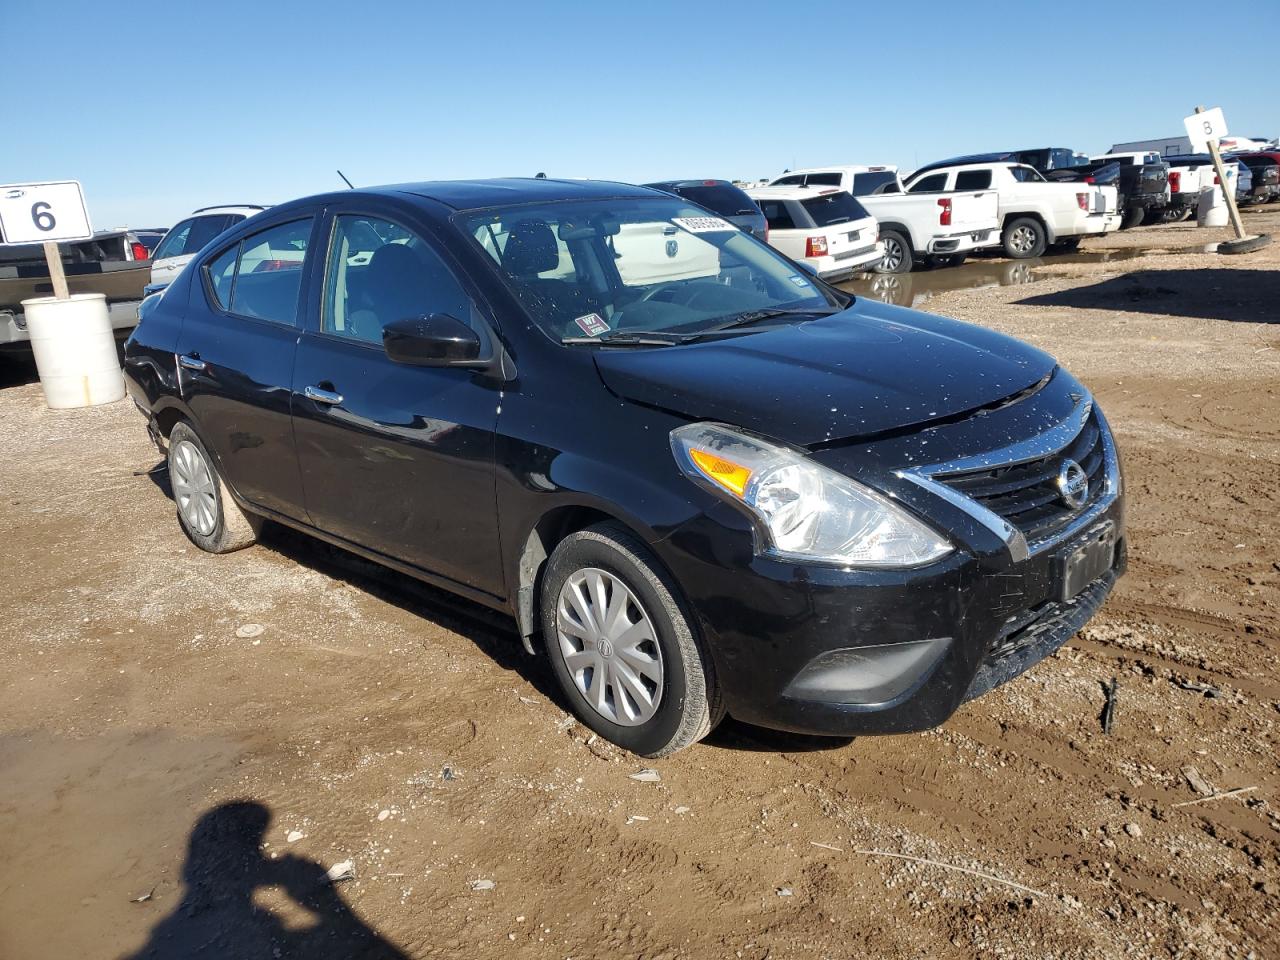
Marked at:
<point>703,224</point>
<point>592,324</point>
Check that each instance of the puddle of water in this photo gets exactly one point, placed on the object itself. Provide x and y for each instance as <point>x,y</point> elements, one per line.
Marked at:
<point>919,286</point>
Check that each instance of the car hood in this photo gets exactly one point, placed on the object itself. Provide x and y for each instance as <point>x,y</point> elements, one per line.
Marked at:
<point>870,369</point>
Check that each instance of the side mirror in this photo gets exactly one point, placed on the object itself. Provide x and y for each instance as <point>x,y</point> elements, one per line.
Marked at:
<point>435,341</point>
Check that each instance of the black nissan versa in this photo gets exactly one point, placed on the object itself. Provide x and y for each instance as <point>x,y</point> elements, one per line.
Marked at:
<point>701,480</point>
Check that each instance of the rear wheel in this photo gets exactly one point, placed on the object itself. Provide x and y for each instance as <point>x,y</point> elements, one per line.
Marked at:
<point>207,512</point>
<point>622,646</point>
<point>1023,238</point>
<point>1132,217</point>
<point>897,253</point>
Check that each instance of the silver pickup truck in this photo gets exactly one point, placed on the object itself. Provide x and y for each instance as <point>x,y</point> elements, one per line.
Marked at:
<point>113,263</point>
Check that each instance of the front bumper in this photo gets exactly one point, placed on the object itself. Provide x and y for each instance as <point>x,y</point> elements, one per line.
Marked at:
<point>828,651</point>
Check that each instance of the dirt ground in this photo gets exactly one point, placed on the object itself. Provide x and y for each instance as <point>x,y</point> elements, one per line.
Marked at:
<point>188,742</point>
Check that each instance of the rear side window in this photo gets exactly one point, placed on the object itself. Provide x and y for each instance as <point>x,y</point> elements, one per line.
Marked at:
<point>832,208</point>
<point>792,181</point>
<point>973,180</point>
<point>930,184</point>
<point>261,277</point>
<point>822,180</point>
<point>776,212</point>
<point>1025,175</point>
<point>204,229</point>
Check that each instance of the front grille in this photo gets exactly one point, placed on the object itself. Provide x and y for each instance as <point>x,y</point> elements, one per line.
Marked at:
<point>1026,494</point>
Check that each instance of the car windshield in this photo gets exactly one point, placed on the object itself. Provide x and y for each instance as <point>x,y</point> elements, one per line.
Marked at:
<point>612,267</point>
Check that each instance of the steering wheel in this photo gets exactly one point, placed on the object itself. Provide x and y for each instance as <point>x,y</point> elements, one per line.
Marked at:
<point>661,288</point>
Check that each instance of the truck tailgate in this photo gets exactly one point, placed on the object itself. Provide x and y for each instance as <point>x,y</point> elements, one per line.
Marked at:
<point>974,211</point>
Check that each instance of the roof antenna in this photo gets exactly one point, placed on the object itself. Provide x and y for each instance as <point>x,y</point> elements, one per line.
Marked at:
<point>345,180</point>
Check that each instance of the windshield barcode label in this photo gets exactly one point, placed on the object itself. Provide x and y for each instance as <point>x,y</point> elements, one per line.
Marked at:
<point>703,224</point>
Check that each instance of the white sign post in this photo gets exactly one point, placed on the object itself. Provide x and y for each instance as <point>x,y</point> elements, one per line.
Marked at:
<point>1205,128</point>
<point>45,213</point>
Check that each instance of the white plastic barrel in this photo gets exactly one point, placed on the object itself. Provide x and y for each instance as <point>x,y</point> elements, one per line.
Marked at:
<point>75,350</point>
<point>1211,209</point>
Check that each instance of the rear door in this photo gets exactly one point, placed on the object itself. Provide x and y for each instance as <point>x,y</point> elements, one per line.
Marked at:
<point>396,458</point>
<point>236,353</point>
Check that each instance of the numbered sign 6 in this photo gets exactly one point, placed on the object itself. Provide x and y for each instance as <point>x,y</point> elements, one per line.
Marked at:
<point>36,212</point>
<point>1204,128</point>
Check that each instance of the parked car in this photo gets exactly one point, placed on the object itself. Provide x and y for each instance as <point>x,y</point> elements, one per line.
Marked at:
<point>1143,185</point>
<point>748,493</point>
<point>112,263</point>
<point>722,197</point>
<point>1265,167</point>
<point>1188,175</point>
<point>187,237</point>
<point>1042,159</point>
<point>149,237</point>
<point>936,229</point>
<point>1244,183</point>
<point>1035,215</point>
<point>826,229</point>
<point>861,181</point>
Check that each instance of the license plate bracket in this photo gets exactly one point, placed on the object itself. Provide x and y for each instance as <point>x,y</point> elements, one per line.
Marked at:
<point>1085,560</point>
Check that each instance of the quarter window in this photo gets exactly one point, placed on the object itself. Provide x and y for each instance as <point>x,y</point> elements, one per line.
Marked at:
<point>778,214</point>
<point>379,272</point>
<point>973,180</point>
<point>930,184</point>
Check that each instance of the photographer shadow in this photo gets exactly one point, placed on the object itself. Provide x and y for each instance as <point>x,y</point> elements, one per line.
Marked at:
<point>218,916</point>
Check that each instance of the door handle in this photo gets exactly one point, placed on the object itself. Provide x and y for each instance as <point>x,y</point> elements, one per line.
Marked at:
<point>322,396</point>
<point>192,361</point>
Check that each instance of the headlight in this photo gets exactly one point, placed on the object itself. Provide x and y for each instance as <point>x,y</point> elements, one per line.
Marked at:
<point>803,511</point>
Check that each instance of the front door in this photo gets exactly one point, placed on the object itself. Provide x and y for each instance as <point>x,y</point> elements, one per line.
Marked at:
<point>396,458</point>
<point>236,355</point>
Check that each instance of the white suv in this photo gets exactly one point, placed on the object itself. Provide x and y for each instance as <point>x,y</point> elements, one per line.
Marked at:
<point>826,229</point>
<point>187,238</point>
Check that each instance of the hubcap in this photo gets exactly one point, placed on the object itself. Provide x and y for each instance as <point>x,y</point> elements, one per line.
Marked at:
<point>1024,239</point>
<point>193,488</point>
<point>609,646</point>
<point>892,253</point>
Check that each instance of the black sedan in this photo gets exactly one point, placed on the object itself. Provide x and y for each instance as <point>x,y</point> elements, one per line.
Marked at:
<point>698,478</point>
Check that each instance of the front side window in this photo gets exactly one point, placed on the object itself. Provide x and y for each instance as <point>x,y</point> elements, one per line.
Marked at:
<point>585,269</point>
<point>930,184</point>
<point>261,276</point>
<point>379,272</point>
<point>174,241</point>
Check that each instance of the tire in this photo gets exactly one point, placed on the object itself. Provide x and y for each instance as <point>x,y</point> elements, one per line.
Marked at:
<point>1023,238</point>
<point>947,260</point>
<point>1132,217</point>
<point>1247,245</point>
<point>679,699</point>
<point>207,513</point>
<point>1069,245</point>
<point>898,255</point>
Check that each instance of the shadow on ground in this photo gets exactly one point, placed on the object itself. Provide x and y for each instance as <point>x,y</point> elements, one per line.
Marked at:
<point>1246,296</point>
<point>221,915</point>
<point>493,633</point>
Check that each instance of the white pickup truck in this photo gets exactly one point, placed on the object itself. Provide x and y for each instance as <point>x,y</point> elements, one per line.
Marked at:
<point>940,229</point>
<point>1035,215</point>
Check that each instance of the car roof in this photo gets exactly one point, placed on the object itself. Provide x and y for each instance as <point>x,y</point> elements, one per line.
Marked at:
<point>248,209</point>
<point>835,167</point>
<point>503,191</point>
<point>789,192</point>
<point>682,184</point>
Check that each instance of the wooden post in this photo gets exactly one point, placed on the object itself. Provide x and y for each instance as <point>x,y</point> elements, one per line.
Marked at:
<point>1228,194</point>
<point>54,258</point>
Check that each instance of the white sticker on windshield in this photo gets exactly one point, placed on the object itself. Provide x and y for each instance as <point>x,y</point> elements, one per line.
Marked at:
<point>703,224</point>
<point>592,324</point>
<point>798,281</point>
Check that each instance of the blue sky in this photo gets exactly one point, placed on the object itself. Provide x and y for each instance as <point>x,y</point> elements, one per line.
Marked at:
<point>159,109</point>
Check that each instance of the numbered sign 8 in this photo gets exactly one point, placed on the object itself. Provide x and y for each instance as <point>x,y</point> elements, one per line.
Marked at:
<point>1208,126</point>
<point>36,212</point>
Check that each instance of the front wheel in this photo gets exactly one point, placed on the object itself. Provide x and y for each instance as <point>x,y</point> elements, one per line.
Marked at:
<point>209,515</point>
<point>622,647</point>
<point>897,253</point>
<point>1023,238</point>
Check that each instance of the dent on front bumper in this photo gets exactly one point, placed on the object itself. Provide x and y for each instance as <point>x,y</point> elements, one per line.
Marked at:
<point>829,651</point>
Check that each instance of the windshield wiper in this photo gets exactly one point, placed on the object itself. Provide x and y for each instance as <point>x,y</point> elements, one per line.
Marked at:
<point>758,316</point>
<point>631,338</point>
